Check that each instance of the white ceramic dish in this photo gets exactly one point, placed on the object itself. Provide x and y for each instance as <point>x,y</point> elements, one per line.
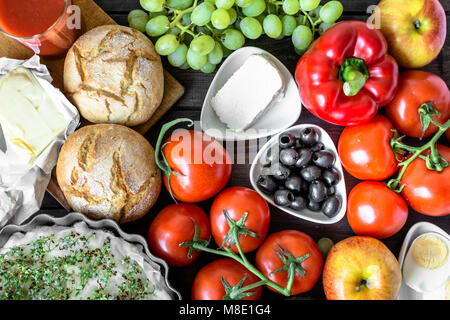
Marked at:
<point>306,214</point>
<point>282,114</point>
<point>406,293</point>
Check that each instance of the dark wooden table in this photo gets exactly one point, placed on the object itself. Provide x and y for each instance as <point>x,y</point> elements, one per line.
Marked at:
<point>196,84</point>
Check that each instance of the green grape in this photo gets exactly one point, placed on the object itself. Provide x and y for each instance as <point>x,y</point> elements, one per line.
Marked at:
<point>315,14</point>
<point>186,19</point>
<point>157,26</point>
<point>202,45</point>
<point>208,68</point>
<point>302,37</point>
<point>179,4</point>
<point>196,61</point>
<point>251,28</point>
<point>216,55</point>
<point>225,4</point>
<point>202,13</point>
<point>233,39</point>
<point>178,57</point>
<point>244,3</point>
<point>226,51</point>
<point>185,66</point>
<point>300,52</point>
<point>175,30</point>
<point>255,8</point>
<point>272,26</point>
<point>291,7</point>
<point>324,26</point>
<point>152,5</point>
<point>233,15</point>
<point>308,5</point>
<point>280,37</point>
<point>139,23</point>
<point>260,18</point>
<point>331,11</point>
<point>302,20</point>
<point>289,24</point>
<point>213,2</point>
<point>137,13</point>
<point>220,18</point>
<point>167,44</point>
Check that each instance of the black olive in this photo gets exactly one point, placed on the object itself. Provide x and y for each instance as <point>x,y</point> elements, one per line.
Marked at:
<point>279,172</point>
<point>313,206</point>
<point>304,157</point>
<point>294,183</point>
<point>288,157</point>
<point>299,203</point>
<point>317,147</point>
<point>317,191</point>
<point>331,190</point>
<point>330,176</point>
<point>286,140</point>
<point>331,206</point>
<point>310,136</point>
<point>310,173</point>
<point>283,198</point>
<point>267,184</point>
<point>324,158</point>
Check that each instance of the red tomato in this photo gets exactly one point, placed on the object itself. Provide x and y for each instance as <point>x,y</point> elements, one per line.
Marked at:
<point>376,211</point>
<point>428,191</point>
<point>416,88</point>
<point>174,225</point>
<point>298,244</point>
<point>208,281</point>
<point>237,201</point>
<point>365,150</point>
<point>202,165</point>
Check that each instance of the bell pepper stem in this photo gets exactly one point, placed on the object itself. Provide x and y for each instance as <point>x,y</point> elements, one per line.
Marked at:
<point>355,81</point>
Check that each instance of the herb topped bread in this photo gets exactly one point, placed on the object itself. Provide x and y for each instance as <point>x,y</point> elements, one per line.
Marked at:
<point>109,171</point>
<point>114,75</point>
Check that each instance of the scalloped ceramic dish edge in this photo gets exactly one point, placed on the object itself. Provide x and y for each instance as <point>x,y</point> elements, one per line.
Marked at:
<point>306,214</point>
<point>105,224</point>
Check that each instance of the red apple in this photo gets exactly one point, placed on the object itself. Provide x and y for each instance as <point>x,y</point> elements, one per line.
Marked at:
<point>361,268</point>
<point>414,29</point>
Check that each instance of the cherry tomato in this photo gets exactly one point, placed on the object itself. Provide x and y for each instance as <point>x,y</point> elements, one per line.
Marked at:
<point>416,88</point>
<point>365,150</point>
<point>202,166</point>
<point>237,201</point>
<point>375,210</point>
<point>428,191</point>
<point>174,225</point>
<point>298,244</point>
<point>208,281</point>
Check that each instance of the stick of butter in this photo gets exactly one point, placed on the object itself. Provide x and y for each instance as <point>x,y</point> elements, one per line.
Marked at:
<point>29,118</point>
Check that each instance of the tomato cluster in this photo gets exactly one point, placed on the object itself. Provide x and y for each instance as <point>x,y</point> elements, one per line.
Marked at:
<point>244,211</point>
<point>373,151</point>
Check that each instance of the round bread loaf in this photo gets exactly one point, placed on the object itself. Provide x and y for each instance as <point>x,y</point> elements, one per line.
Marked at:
<point>109,171</point>
<point>114,75</point>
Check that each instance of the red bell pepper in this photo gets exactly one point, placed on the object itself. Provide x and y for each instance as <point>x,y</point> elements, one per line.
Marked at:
<point>347,74</point>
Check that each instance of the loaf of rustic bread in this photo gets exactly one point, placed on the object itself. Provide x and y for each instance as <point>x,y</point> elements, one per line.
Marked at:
<point>113,75</point>
<point>109,171</point>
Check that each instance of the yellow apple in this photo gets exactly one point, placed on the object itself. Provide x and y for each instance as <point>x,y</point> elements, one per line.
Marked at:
<point>414,29</point>
<point>361,268</point>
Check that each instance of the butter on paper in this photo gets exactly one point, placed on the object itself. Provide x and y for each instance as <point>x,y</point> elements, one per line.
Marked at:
<point>26,166</point>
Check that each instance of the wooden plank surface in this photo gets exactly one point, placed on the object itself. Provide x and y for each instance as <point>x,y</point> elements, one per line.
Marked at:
<point>92,16</point>
<point>196,85</point>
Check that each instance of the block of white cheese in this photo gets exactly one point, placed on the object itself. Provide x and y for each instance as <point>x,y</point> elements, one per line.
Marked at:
<point>248,93</point>
<point>29,118</point>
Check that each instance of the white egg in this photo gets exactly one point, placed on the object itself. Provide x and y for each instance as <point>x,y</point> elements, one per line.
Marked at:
<point>427,264</point>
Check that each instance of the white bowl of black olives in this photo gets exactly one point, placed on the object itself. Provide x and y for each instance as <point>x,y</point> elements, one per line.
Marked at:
<point>299,171</point>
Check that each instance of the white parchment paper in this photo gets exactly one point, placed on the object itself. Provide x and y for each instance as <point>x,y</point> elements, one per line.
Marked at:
<point>22,187</point>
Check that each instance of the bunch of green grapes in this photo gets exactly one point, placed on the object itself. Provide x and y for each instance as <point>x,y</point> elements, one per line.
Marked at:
<point>198,34</point>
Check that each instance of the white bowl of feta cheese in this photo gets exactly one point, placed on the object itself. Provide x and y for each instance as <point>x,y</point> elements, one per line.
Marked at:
<point>253,95</point>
